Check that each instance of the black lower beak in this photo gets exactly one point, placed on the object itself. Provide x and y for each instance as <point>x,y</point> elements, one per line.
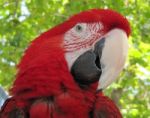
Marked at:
<point>87,68</point>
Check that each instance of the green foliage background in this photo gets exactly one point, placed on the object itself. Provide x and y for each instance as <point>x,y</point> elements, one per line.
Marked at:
<point>23,20</point>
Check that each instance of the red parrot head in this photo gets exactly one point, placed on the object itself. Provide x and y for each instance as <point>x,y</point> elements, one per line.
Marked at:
<point>93,44</point>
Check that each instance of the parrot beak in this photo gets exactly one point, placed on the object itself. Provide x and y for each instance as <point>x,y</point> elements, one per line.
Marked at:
<point>113,56</point>
<point>87,69</point>
<point>104,62</point>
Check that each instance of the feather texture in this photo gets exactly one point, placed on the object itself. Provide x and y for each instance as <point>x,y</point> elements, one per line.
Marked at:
<point>105,108</point>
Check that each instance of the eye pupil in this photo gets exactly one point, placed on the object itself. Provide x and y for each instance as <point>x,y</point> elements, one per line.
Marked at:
<point>78,28</point>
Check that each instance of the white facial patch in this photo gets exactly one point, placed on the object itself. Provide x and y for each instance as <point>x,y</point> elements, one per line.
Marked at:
<point>80,39</point>
<point>113,56</point>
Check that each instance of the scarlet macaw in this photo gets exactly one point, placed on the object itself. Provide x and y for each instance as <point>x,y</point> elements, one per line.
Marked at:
<point>64,71</point>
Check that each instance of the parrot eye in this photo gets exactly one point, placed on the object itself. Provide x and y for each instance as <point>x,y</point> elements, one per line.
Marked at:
<point>79,28</point>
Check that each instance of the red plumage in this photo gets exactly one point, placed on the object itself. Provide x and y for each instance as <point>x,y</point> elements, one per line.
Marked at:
<point>44,86</point>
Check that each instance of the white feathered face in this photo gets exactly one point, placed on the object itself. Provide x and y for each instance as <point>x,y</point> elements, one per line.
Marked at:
<point>81,38</point>
<point>82,35</point>
<point>95,55</point>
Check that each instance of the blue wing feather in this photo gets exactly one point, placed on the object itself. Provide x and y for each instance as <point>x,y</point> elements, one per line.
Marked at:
<point>3,96</point>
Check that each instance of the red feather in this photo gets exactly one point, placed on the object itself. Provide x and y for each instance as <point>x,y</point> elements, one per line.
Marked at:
<point>44,87</point>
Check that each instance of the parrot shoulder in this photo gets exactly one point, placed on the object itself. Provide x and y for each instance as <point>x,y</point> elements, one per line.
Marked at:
<point>11,110</point>
<point>105,108</point>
